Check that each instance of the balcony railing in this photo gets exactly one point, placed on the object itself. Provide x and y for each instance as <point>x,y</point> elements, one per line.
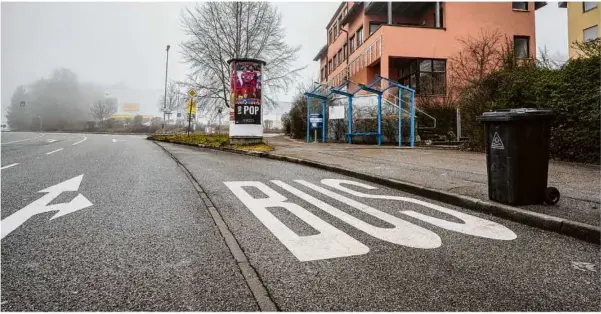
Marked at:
<point>370,54</point>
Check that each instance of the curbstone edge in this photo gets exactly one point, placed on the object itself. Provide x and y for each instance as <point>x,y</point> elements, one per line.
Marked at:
<point>570,228</point>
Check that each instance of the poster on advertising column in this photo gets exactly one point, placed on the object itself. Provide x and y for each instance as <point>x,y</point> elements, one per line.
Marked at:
<point>246,92</point>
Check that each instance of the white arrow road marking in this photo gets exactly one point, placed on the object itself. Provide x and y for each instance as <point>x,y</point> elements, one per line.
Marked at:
<point>116,140</point>
<point>50,140</point>
<point>8,166</point>
<point>54,151</point>
<point>84,138</point>
<point>27,139</point>
<point>12,222</point>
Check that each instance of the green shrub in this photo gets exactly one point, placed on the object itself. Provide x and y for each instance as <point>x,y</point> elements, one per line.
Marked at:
<point>572,91</point>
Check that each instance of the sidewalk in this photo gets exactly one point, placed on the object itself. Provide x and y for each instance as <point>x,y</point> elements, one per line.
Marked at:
<point>452,171</point>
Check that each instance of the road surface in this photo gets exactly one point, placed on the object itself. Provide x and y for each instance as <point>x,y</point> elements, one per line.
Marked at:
<point>113,223</point>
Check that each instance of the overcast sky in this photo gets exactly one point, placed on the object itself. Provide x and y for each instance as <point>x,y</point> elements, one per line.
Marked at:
<point>110,43</point>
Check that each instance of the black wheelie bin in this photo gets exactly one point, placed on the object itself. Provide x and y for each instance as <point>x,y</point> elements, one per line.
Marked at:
<point>517,156</point>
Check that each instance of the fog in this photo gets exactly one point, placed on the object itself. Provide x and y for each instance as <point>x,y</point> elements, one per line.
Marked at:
<point>119,48</point>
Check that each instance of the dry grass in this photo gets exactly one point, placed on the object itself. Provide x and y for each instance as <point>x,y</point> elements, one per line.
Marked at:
<point>210,140</point>
<point>263,147</point>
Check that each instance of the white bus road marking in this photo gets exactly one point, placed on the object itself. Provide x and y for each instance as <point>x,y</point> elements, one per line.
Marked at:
<point>332,242</point>
<point>12,222</point>
<point>329,243</point>
<point>472,225</point>
<point>404,233</point>
<point>8,166</point>
<point>84,138</point>
<point>27,139</point>
<point>54,151</point>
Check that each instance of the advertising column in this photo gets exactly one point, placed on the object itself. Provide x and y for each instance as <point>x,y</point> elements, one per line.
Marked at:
<point>246,112</point>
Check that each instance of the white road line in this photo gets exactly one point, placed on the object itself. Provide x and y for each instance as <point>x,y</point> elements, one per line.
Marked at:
<point>6,167</point>
<point>27,139</point>
<point>84,138</point>
<point>54,151</point>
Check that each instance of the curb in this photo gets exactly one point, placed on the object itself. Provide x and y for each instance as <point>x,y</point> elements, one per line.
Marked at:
<point>567,227</point>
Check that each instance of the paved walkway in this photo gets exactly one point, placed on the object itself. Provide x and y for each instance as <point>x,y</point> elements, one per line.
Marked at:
<point>453,171</point>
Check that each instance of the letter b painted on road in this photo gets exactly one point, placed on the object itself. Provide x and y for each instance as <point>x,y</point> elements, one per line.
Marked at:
<point>329,243</point>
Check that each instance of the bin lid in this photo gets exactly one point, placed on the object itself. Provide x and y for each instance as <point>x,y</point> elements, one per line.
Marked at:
<point>516,114</point>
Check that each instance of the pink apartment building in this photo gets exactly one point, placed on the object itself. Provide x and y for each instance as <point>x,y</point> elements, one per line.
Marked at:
<point>413,41</point>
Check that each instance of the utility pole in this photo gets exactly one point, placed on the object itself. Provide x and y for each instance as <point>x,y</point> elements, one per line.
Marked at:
<point>165,97</point>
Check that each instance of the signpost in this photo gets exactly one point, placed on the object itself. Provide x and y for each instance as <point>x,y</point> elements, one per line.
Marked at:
<point>191,108</point>
<point>316,120</point>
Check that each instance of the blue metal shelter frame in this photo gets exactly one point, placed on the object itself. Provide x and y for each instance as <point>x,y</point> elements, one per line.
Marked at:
<point>323,96</point>
<point>401,88</point>
<point>371,88</point>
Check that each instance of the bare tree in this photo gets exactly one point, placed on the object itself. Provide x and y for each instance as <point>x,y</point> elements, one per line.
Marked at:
<point>480,56</point>
<point>545,60</point>
<point>102,110</point>
<point>174,97</point>
<point>587,49</point>
<point>220,31</point>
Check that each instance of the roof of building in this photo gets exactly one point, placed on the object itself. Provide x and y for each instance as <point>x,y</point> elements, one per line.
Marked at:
<point>321,52</point>
<point>351,12</point>
<point>342,4</point>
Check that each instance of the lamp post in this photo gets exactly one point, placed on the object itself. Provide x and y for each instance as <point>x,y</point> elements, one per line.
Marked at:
<point>165,97</point>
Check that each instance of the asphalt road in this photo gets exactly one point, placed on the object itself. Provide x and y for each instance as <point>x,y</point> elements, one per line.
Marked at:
<point>146,244</point>
<point>149,243</point>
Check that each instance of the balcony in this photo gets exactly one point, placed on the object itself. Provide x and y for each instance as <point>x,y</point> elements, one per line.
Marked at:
<point>415,14</point>
<point>405,9</point>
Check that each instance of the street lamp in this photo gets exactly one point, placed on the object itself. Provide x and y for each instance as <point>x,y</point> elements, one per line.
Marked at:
<point>165,98</point>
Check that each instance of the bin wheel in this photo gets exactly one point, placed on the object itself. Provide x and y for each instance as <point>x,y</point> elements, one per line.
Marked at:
<point>551,196</point>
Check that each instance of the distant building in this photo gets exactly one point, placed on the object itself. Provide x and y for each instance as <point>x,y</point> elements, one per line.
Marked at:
<point>272,118</point>
<point>583,23</point>
<point>132,102</point>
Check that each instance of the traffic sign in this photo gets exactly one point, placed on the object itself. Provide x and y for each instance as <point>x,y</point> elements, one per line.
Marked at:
<point>191,106</point>
<point>192,93</point>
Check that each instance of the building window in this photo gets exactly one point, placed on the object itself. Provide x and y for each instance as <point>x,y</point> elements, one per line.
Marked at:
<point>590,33</point>
<point>330,66</point>
<point>521,46</point>
<point>335,30</point>
<point>360,36</point>
<point>519,6</point>
<point>340,56</point>
<point>587,6</point>
<point>426,76</point>
<point>345,51</point>
<point>373,27</point>
<point>352,40</point>
<point>330,37</point>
